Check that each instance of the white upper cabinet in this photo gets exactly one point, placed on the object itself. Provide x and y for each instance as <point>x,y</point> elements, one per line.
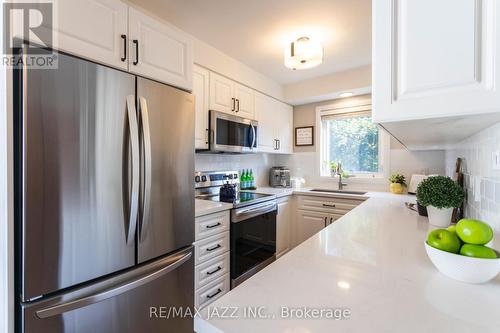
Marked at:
<point>222,93</point>
<point>434,59</point>
<point>275,125</point>
<point>201,83</point>
<point>245,101</point>
<point>231,97</point>
<point>159,51</point>
<point>266,129</point>
<point>93,29</point>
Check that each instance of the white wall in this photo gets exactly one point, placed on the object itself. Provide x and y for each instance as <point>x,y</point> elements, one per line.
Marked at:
<point>356,80</point>
<point>259,163</point>
<point>479,175</point>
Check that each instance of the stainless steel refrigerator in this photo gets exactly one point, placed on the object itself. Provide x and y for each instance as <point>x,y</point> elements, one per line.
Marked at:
<point>104,200</point>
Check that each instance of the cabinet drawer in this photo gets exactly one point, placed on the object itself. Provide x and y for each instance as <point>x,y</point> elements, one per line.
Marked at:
<point>211,224</point>
<point>327,204</point>
<point>211,247</point>
<point>211,270</point>
<point>211,292</point>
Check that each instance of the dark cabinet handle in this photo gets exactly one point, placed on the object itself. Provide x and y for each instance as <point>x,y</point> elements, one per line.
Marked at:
<point>325,221</point>
<point>208,134</point>
<point>124,37</point>
<point>331,220</point>
<point>213,225</point>
<point>213,248</point>
<point>279,144</point>
<point>214,271</point>
<point>136,43</point>
<point>329,205</point>
<point>237,105</point>
<point>233,106</point>
<point>215,294</point>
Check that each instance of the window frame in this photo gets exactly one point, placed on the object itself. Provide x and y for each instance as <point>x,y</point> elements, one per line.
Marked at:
<point>349,108</point>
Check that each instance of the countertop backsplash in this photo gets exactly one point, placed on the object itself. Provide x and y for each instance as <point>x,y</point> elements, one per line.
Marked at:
<point>482,181</point>
<point>259,163</point>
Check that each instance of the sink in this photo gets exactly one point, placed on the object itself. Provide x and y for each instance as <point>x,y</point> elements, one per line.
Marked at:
<point>338,191</point>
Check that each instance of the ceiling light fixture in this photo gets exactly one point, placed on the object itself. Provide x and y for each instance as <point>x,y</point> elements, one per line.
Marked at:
<point>303,53</point>
<point>346,94</point>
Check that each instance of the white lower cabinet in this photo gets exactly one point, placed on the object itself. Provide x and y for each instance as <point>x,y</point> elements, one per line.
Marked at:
<point>283,226</point>
<point>206,295</point>
<point>212,256</point>
<point>315,213</point>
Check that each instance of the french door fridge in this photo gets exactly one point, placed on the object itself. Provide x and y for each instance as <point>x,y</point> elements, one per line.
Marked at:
<point>104,200</point>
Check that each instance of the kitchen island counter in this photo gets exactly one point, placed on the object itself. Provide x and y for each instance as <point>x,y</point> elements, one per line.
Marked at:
<point>369,266</point>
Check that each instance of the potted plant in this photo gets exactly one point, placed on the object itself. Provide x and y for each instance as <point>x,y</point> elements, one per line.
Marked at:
<point>440,195</point>
<point>398,183</point>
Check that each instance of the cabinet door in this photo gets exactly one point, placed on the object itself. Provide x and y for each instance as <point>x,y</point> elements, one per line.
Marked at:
<point>161,52</point>
<point>283,226</point>
<point>423,68</point>
<point>245,101</point>
<point>200,91</point>
<point>221,93</point>
<point>309,223</point>
<point>266,128</point>
<point>92,29</point>
<point>285,128</point>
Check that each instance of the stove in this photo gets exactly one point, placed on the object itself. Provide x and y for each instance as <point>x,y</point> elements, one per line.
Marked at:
<point>208,184</point>
<point>253,223</point>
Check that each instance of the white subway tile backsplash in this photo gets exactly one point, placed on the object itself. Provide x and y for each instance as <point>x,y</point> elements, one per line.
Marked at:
<point>482,181</point>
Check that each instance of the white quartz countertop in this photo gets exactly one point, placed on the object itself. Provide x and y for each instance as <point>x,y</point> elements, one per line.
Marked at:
<point>372,262</point>
<point>204,207</point>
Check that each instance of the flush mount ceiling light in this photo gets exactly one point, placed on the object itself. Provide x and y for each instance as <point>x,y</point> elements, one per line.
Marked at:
<point>303,53</point>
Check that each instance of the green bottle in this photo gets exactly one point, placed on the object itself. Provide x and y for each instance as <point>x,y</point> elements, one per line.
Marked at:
<point>243,180</point>
<point>251,180</point>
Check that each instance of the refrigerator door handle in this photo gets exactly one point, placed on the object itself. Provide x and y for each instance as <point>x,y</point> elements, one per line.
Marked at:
<point>134,141</point>
<point>169,265</point>
<point>147,167</point>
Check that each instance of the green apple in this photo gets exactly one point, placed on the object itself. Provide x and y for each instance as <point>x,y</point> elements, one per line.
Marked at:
<point>452,228</point>
<point>477,251</point>
<point>443,239</point>
<point>474,231</point>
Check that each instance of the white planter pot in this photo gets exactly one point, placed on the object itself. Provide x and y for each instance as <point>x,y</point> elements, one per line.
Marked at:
<point>439,217</point>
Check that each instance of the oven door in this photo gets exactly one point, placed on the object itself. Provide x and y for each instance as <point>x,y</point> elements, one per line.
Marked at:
<point>233,134</point>
<point>253,240</point>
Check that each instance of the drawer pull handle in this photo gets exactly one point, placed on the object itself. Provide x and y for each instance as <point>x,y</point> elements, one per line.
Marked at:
<point>214,271</point>
<point>329,205</point>
<point>215,294</point>
<point>213,225</point>
<point>213,248</point>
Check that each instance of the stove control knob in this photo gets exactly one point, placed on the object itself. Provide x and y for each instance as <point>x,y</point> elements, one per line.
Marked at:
<point>203,178</point>
<point>197,179</point>
<point>230,176</point>
<point>235,176</point>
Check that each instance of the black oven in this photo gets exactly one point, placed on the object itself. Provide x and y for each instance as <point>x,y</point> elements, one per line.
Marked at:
<point>232,134</point>
<point>253,239</point>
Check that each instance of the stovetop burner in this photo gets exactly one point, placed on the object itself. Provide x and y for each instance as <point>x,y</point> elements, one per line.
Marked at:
<point>244,198</point>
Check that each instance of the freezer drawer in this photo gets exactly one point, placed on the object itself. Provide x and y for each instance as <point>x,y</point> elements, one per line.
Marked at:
<point>128,303</point>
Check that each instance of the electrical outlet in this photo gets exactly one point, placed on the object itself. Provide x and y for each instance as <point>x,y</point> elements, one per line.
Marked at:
<point>496,160</point>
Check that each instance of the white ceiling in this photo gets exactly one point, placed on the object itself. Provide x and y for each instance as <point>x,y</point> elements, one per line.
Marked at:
<point>256,32</point>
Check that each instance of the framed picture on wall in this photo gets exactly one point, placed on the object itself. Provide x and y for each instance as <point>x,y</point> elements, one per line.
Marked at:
<point>304,136</point>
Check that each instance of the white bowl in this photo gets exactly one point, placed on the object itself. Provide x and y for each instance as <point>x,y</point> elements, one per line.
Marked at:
<point>463,268</point>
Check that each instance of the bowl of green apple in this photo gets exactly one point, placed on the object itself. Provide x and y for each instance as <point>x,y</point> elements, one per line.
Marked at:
<point>460,251</point>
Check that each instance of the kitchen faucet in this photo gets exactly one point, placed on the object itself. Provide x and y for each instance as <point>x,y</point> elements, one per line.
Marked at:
<point>338,172</point>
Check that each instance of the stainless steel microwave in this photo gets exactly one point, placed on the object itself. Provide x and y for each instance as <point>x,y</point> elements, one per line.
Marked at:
<point>232,134</point>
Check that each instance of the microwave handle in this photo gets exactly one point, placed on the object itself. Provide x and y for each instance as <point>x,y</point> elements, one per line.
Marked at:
<point>253,136</point>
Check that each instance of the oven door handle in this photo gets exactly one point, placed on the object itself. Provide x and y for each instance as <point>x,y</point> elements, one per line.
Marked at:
<point>244,214</point>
